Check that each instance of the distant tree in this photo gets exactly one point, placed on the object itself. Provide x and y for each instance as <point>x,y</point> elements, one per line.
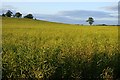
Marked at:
<point>8,13</point>
<point>90,20</point>
<point>30,16</point>
<point>18,15</point>
<point>3,15</point>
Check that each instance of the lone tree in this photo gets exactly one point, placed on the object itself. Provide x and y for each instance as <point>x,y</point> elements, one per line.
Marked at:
<point>18,15</point>
<point>29,16</point>
<point>90,20</point>
<point>8,13</point>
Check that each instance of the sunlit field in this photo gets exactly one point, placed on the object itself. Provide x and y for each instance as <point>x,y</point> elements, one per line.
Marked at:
<point>34,49</point>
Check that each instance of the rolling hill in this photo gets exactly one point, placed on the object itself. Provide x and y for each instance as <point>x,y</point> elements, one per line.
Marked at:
<point>35,49</point>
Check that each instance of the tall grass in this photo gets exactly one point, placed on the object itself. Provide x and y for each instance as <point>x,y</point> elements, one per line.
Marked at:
<point>52,51</point>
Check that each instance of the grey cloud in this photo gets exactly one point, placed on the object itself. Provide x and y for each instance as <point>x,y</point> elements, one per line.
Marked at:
<point>85,14</point>
<point>64,19</point>
<point>112,8</point>
<point>58,18</point>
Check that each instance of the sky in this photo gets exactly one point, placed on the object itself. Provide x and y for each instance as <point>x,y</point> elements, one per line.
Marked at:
<point>59,0</point>
<point>67,12</point>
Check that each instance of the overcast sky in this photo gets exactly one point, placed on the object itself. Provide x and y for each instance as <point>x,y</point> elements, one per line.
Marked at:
<point>67,12</point>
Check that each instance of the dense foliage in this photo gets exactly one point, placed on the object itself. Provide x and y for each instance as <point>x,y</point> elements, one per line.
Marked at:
<point>51,51</point>
<point>90,20</point>
<point>18,15</point>
<point>8,14</point>
<point>29,16</point>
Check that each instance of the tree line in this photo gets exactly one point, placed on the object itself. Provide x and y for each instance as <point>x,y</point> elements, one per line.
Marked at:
<point>17,15</point>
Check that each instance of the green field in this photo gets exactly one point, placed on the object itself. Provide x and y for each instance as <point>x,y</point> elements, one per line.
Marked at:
<point>54,51</point>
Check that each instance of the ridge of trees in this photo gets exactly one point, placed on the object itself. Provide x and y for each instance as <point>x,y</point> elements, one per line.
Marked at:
<point>17,15</point>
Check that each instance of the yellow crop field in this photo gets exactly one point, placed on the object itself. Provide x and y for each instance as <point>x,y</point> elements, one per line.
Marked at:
<point>34,49</point>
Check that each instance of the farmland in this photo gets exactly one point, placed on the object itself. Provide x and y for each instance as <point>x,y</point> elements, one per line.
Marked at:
<point>54,51</point>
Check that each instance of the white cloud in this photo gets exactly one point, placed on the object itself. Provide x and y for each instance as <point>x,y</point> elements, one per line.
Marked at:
<point>4,8</point>
<point>8,7</point>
